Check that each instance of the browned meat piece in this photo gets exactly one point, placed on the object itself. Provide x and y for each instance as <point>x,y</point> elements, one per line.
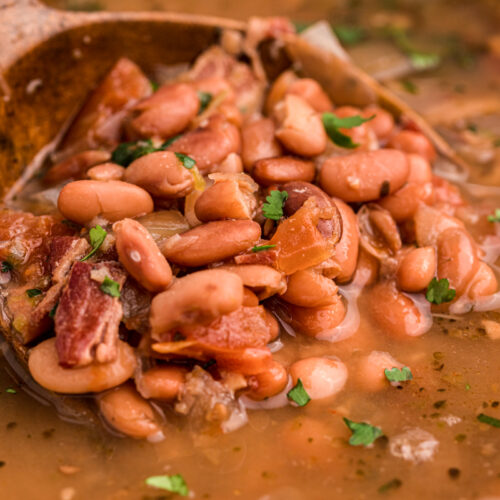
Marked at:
<point>87,319</point>
<point>136,302</point>
<point>64,250</point>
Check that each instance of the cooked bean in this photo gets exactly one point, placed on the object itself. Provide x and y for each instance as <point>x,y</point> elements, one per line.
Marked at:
<point>249,298</point>
<point>321,377</point>
<point>232,164</point>
<point>198,297</point>
<point>310,90</point>
<point>370,370</point>
<point>300,128</point>
<point>430,224</point>
<point>484,282</point>
<point>367,269</point>
<point>126,411</point>
<point>299,192</point>
<point>166,113</point>
<point>278,90</point>
<point>231,113</point>
<point>216,86</point>
<point>44,367</point>
<point>271,171</point>
<point>273,325</point>
<point>266,384</point>
<point>308,288</point>
<point>106,172</point>
<point>161,382</point>
<point>362,135</point>
<point>81,201</point>
<point>258,142</point>
<point>75,166</point>
<point>211,242</point>
<point>364,175</point>
<point>413,142</point>
<point>417,269</point>
<point>140,256</point>
<point>382,124</point>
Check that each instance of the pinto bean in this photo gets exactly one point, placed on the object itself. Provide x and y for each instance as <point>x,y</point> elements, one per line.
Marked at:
<point>310,90</point>
<point>370,370</point>
<point>266,384</point>
<point>43,364</point>
<point>271,171</point>
<point>216,86</point>
<point>258,142</point>
<point>106,172</point>
<point>417,269</point>
<point>75,166</point>
<point>161,174</point>
<point>484,282</point>
<point>161,382</point>
<point>364,175</point>
<point>249,298</point>
<point>299,192</point>
<point>321,377</point>
<point>140,256</point>
<point>383,123</point>
<point>278,90</point>
<point>308,288</point>
<point>166,113</point>
<point>362,135</point>
<point>211,242</point>
<point>413,142</point>
<point>232,164</point>
<point>126,411</point>
<point>300,127</point>
<point>367,268</point>
<point>431,223</point>
<point>81,201</point>
<point>198,297</point>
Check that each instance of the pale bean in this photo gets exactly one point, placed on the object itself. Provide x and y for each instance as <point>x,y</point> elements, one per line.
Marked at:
<point>161,382</point>
<point>43,364</point>
<point>370,370</point>
<point>258,142</point>
<point>417,269</point>
<point>321,377</point>
<point>106,172</point>
<point>365,175</point>
<point>140,256</point>
<point>300,128</point>
<point>232,164</point>
<point>310,90</point>
<point>211,242</point>
<point>268,383</point>
<point>161,174</point>
<point>383,123</point>
<point>308,288</point>
<point>126,411</point>
<point>431,223</point>
<point>483,283</point>
<point>81,201</point>
<point>413,142</point>
<point>75,166</point>
<point>271,171</point>
<point>278,90</point>
<point>198,297</point>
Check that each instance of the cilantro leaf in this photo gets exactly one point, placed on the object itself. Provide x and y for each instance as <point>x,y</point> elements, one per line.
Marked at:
<point>33,292</point>
<point>52,312</point>
<point>168,142</point>
<point>362,433</point>
<point>393,484</point>
<point>398,375</point>
<point>301,26</point>
<point>205,99</point>
<point>440,291</point>
<point>333,124</point>
<point>424,60</point>
<point>110,287</point>
<point>186,160</point>
<point>6,266</point>
<point>486,419</point>
<point>495,217</point>
<point>409,86</point>
<point>273,208</point>
<point>154,85</point>
<point>97,236</point>
<point>262,248</point>
<point>174,484</point>
<point>298,394</point>
<point>10,390</point>
<point>349,35</point>
<point>127,152</point>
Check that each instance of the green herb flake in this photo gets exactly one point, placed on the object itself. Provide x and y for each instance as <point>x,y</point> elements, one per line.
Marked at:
<point>261,248</point>
<point>110,287</point>
<point>205,99</point>
<point>439,291</point>
<point>486,419</point>
<point>52,312</point>
<point>424,60</point>
<point>393,484</point>
<point>298,394</point>
<point>301,26</point>
<point>9,390</point>
<point>186,160</point>
<point>6,266</point>
<point>333,124</point>
<point>127,152</point>
<point>349,35</point>
<point>33,292</point>
<point>409,86</point>
<point>472,127</point>
<point>168,142</point>
<point>273,208</point>
<point>398,375</point>
<point>496,143</point>
<point>467,387</point>
<point>362,433</point>
<point>154,85</point>
<point>495,217</point>
<point>97,236</point>
<point>174,484</point>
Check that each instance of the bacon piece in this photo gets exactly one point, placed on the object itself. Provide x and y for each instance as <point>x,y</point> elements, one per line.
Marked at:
<point>87,319</point>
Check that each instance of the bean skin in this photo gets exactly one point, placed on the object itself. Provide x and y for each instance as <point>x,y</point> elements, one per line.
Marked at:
<point>417,269</point>
<point>106,172</point>
<point>161,382</point>
<point>310,90</point>
<point>268,383</point>
<point>258,142</point>
<point>308,288</point>
<point>271,171</point>
<point>81,201</point>
<point>44,367</point>
<point>413,142</point>
<point>161,174</point>
<point>140,256</point>
<point>211,242</point>
<point>370,370</point>
<point>362,176</point>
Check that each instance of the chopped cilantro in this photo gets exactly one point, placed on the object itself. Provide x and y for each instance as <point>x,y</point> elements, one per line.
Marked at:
<point>205,99</point>
<point>301,26</point>
<point>298,394</point>
<point>174,484</point>
<point>186,160</point>
<point>273,208</point>
<point>52,312</point>
<point>97,236</point>
<point>33,292</point>
<point>496,143</point>
<point>6,266</point>
<point>424,60</point>
<point>472,127</point>
<point>467,387</point>
<point>398,375</point>
<point>349,35</point>
<point>409,86</point>
<point>127,152</point>
<point>154,85</point>
<point>168,142</point>
<point>495,217</point>
<point>393,484</point>
<point>333,123</point>
<point>362,433</point>
<point>110,287</point>
<point>10,390</point>
<point>439,291</point>
<point>262,248</point>
<point>486,419</point>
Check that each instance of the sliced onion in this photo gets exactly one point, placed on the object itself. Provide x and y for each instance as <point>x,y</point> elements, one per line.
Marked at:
<point>164,224</point>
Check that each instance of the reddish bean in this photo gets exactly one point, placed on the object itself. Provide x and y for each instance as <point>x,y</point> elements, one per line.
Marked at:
<point>417,269</point>
<point>106,172</point>
<point>161,382</point>
<point>413,142</point>
<point>271,171</point>
<point>258,142</point>
<point>310,90</point>
<point>75,166</point>
<point>266,384</point>
<point>308,288</point>
<point>370,370</point>
<point>383,123</point>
